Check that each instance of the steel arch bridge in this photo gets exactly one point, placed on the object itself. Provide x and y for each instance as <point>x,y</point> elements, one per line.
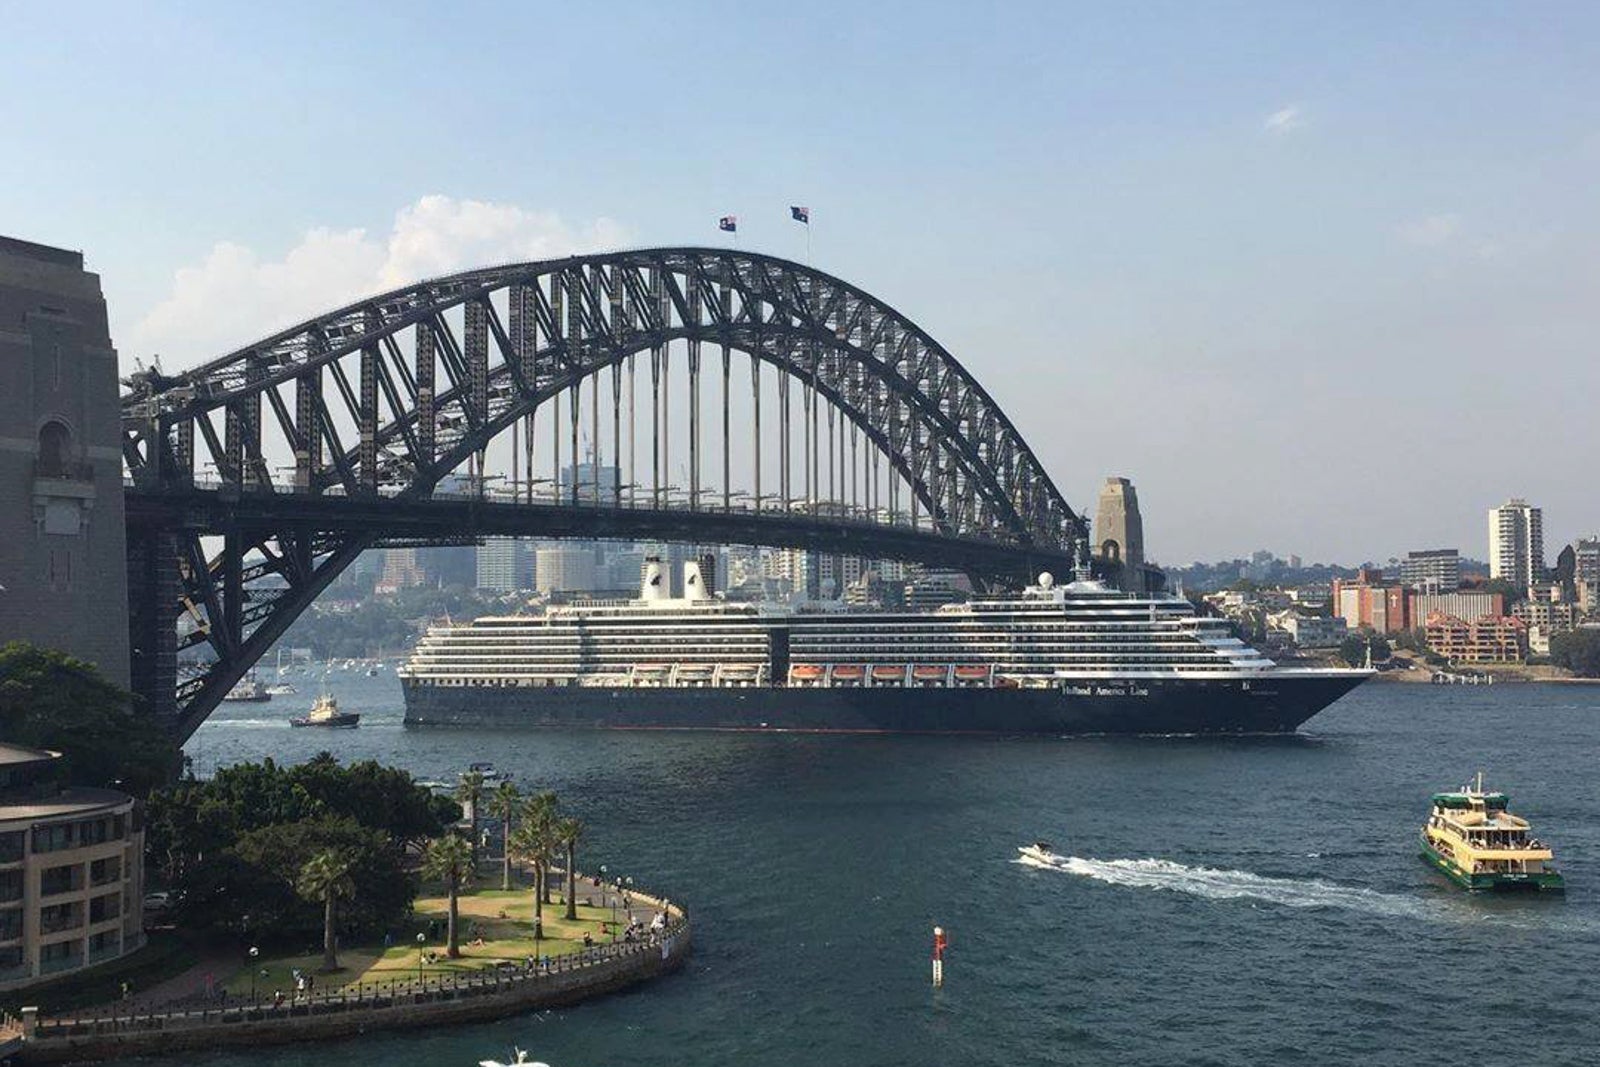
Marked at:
<point>353,430</point>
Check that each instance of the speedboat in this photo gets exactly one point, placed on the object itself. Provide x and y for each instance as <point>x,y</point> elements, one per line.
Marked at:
<point>1039,851</point>
<point>281,689</point>
<point>520,1060</point>
<point>487,771</point>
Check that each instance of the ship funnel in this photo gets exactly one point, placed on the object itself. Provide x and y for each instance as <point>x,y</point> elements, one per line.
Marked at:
<point>653,580</point>
<point>697,580</point>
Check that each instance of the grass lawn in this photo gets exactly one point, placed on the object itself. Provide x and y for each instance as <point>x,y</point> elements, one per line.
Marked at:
<point>504,923</point>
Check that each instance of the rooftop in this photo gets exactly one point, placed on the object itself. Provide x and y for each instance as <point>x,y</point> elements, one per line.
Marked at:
<point>15,246</point>
<point>13,754</point>
<point>79,801</point>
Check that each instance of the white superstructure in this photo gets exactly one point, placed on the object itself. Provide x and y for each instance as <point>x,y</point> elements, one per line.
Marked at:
<point>1045,635</point>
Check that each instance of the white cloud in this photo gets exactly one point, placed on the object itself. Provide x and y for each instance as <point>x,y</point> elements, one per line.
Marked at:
<point>1284,120</point>
<point>233,296</point>
<point>1430,232</point>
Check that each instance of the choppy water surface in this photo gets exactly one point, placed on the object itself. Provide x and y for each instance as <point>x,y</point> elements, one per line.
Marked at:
<point>1214,902</point>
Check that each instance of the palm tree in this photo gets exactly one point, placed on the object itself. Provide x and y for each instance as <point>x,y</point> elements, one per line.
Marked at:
<point>535,842</point>
<point>326,879</point>
<point>504,803</point>
<point>568,831</point>
<point>469,794</point>
<point>545,815</point>
<point>448,859</point>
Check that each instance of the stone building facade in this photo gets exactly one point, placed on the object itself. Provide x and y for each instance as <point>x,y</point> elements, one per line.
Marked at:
<point>63,555</point>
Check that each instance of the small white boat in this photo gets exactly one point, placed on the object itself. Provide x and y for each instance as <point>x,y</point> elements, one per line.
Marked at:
<point>281,689</point>
<point>1039,851</point>
<point>521,1060</point>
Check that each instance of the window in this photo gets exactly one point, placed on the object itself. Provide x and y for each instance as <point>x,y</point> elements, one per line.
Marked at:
<point>52,838</point>
<point>106,870</point>
<point>10,924</point>
<point>58,917</point>
<point>106,907</point>
<point>11,846</point>
<point>61,956</point>
<point>62,879</point>
<point>10,886</point>
<point>55,450</point>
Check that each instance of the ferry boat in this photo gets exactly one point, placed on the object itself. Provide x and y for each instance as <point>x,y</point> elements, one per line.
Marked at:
<point>325,712</point>
<point>249,690</point>
<point>1054,659</point>
<point>1474,839</point>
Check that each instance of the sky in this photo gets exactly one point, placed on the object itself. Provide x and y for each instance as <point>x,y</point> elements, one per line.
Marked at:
<point>1322,279</point>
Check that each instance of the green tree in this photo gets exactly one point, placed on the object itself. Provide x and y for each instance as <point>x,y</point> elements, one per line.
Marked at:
<point>1577,651</point>
<point>448,859</point>
<point>568,831</point>
<point>257,876</point>
<point>1353,650</point>
<point>232,846</point>
<point>504,803</point>
<point>50,700</point>
<point>469,794</point>
<point>1510,592</point>
<point>326,878</point>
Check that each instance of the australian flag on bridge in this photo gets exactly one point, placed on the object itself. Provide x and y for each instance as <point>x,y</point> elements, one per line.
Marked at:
<point>800,214</point>
<point>730,223</point>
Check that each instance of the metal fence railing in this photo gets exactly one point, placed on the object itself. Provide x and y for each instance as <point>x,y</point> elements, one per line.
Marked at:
<point>526,978</point>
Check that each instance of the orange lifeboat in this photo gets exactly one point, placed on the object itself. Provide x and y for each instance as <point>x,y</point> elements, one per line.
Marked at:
<point>848,673</point>
<point>805,672</point>
<point>924,673</point>
<point>887,673</point>
<point>972,673</point>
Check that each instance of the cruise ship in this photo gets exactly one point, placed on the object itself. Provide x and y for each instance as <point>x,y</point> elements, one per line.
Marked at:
<point>1073,658</point>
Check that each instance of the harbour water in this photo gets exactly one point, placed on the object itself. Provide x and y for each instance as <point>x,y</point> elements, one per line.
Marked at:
<point>1219,901</point>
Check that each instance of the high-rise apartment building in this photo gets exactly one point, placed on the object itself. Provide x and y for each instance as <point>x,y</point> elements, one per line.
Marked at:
<point>1432,570</point>
<point>505,565</point>
<point>1586,572</point>
<point>562,569</point>
<point>1516,543</point>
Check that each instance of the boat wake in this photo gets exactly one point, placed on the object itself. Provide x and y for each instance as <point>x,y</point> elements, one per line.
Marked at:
<point>1212,883</point>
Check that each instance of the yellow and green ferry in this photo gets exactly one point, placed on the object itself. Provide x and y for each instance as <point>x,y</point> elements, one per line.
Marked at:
<point>1478,844</point>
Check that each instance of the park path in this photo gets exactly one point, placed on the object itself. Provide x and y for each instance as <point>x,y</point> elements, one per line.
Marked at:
<point>188,985</point>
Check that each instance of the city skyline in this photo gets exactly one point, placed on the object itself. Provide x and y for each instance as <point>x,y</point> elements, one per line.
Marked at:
<point>1222,255</point>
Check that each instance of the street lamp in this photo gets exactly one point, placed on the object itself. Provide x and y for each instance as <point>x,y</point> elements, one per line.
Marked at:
<point>254,952</point>
<point>422,939</point>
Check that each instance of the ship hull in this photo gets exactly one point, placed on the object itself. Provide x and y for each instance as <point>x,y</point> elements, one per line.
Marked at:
<point>1500,881</point>
<point>1261,705</point>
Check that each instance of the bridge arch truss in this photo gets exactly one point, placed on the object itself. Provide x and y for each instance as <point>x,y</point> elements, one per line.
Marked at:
<point>360,427</point>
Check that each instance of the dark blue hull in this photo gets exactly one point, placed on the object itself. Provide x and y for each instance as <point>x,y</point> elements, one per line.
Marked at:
<point>1269,704</point>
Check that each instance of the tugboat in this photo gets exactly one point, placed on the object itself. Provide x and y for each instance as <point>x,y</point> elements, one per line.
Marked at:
<point>1478,844</point>
<point>325,712</point>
